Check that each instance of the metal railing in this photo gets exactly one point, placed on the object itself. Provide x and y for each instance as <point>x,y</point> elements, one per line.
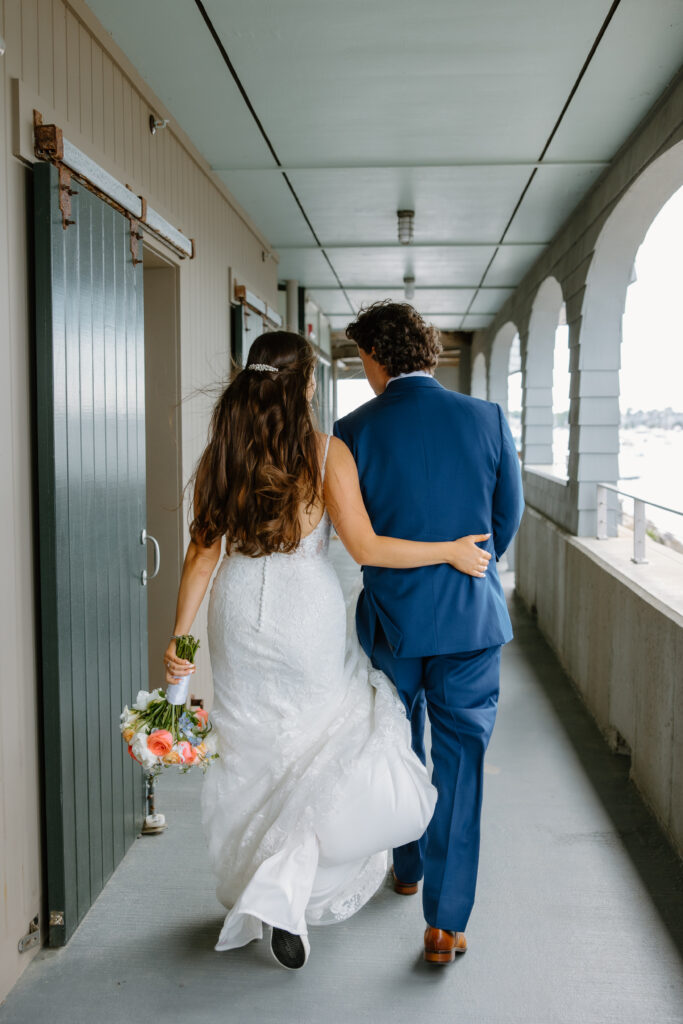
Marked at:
<point>639,519</point>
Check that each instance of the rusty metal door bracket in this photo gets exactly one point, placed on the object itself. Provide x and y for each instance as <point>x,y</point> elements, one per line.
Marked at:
<point>49,145</point>
<point>73,164</point>
<point>136,237</point>
<point>65,194</point>
<point>49,141</point>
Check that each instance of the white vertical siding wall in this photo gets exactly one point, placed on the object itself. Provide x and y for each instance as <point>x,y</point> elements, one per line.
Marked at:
<point>71,70</point>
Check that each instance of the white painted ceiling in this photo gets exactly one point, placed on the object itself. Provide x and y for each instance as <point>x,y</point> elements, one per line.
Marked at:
<point>441,106</point>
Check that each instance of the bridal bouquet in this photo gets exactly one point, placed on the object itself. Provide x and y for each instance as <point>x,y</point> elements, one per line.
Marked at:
<point>160,730</point>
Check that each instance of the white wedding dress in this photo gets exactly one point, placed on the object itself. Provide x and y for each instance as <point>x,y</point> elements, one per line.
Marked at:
<point>316,778</point>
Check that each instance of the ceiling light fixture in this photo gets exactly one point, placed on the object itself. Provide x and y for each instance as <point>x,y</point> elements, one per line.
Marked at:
<point>405,226</point>
<point>409,287</point>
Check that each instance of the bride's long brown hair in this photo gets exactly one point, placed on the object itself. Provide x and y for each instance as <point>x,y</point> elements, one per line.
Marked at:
<point>261,462</point>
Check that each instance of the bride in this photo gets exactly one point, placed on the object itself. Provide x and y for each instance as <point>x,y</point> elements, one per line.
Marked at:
<point>316,777</point>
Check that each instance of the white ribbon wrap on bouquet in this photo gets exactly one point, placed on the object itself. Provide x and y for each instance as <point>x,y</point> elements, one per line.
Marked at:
<point>176,693</point>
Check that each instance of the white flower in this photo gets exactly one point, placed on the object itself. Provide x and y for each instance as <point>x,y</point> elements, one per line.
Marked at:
<point>128,718</point>
<point>211,743</point>
<point>141,752</point>
<point>144,698</point>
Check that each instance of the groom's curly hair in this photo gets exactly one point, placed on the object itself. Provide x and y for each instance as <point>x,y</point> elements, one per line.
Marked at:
<point>396,336</point>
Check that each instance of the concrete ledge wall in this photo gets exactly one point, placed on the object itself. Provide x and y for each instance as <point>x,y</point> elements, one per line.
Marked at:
<point>623,650</point>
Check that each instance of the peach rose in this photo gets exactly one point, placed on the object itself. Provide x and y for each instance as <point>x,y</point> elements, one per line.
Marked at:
<point>160,742</point>
<point>187,752</point>
<point>203,716</point>
<point>201,749</point>
<point>173,757</point>
<point>128,734</point>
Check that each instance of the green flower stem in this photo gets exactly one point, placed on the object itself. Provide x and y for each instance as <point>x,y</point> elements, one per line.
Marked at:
<point>186,646</point>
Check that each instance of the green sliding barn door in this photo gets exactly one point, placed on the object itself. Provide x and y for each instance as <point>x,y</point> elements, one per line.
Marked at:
<point>91,495</point>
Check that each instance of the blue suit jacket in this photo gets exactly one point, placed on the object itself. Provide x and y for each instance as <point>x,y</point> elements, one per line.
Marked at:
<point>434,465</point>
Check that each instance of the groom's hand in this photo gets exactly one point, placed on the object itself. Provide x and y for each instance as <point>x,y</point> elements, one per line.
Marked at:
<point>467,557</point>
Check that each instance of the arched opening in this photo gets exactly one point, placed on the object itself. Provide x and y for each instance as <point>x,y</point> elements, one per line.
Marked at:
<point>505,387</point>
<point>594,432</point>
<point>543,356</point>
<point>561,384</point>
<point>650,389</point>
<point>499,366</point>
<point>478,384</point>
<point>514,397</point>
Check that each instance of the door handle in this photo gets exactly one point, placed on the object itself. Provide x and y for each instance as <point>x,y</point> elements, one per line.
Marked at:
<point>145,577</point>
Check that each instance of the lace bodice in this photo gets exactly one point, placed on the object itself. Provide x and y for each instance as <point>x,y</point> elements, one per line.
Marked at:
<point>317,542</point>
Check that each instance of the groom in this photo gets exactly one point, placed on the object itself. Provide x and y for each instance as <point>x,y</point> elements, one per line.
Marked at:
<point>434,465</point>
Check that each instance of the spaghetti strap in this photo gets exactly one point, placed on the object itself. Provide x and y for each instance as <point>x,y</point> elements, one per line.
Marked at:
<point>327,448</point>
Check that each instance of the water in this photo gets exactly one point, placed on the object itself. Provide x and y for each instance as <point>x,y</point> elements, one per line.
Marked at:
<point>654,458</point>
<point>650,466</point>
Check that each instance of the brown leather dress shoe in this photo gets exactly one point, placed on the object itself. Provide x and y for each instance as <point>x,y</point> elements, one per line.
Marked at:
<point>441,946</point>
<point>404,888</point>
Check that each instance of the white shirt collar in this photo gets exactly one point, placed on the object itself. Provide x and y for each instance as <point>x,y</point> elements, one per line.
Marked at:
<point>413,373</point>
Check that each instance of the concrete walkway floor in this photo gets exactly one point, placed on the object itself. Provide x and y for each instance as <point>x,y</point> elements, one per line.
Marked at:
<point>579,914</point>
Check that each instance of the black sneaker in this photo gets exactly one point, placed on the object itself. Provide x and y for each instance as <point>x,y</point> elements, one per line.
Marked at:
<point>290,951</point>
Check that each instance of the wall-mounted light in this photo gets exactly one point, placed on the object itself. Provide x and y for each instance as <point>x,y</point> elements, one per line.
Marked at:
<point>2,47</point>
<point>409,287</point>
<point>156,123</point>
<point>405,226</point>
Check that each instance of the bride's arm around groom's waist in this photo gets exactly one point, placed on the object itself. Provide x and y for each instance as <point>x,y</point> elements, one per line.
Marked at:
<point>349,515</point>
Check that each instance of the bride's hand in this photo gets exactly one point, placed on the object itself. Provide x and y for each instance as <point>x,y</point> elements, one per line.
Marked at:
<point>175,667</point>
<point>467,557</point>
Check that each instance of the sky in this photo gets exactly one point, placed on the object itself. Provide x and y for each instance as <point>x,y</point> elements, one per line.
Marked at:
<point>652,347</point>
<point>651,374</point>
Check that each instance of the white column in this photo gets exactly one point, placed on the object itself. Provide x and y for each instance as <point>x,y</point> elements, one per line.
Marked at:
<point>499,365</point>
<point>334,390</point>
<point>537,409</point>
<point>478,379</point>
<point>593,431</point>
<point>293,305</point>
<point>537,374</point>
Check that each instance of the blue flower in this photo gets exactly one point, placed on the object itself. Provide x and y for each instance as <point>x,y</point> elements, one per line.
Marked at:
<point>187,729</point>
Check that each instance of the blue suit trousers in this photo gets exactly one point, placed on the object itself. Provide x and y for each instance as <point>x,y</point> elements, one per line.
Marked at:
<point>460,692</point>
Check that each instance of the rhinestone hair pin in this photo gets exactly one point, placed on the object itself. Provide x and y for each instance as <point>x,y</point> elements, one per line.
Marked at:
<point>263,366</point>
